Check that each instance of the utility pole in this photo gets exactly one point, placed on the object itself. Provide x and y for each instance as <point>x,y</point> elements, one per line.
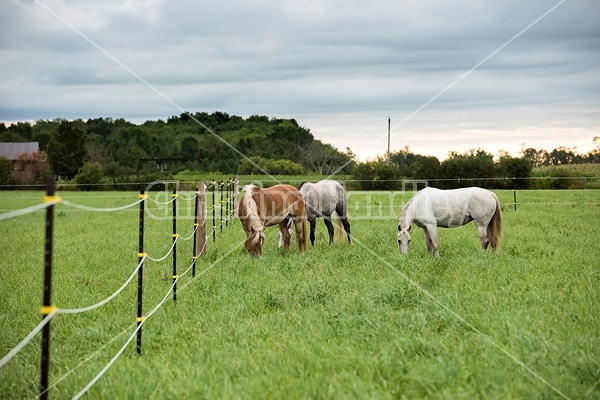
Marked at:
<point>388,152</point>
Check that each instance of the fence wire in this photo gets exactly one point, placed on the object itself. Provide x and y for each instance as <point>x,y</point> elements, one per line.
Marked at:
<point>55,310</point>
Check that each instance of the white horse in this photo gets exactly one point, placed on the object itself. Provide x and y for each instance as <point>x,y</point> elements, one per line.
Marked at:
<point>431,208</point>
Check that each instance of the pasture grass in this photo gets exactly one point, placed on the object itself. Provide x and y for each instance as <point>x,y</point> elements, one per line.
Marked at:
<point>342,321</point>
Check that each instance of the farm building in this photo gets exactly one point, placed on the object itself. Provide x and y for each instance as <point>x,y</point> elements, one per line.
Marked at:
<point>28,163</point>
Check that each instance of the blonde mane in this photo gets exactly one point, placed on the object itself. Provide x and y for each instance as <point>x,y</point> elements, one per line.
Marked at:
<point>250,206</point>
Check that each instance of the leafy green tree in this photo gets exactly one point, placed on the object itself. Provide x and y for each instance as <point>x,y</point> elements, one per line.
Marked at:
<point>426,167</point>
<point>5,171</point>
<point>473,168</point>
<point>190,150</point>
<point>535,157</point>
<point>404,159</point>
<point>594,155</point>
<point>518,170</point>
<point>274,167</point>
<point>66,150</point>
<point>42,131</point>
<point>561,156</point>
<point>22,130</point>
<point>377,175</point>
<point>90,176</point>
<point>324,159</point>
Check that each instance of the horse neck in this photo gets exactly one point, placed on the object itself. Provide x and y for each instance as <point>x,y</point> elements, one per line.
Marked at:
<point>250,207</point>
<point>407,216</point>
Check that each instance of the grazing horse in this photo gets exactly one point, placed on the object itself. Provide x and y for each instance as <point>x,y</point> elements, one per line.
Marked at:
<point>431,208</point>
<point>260,208</point>
<point>322,199</point>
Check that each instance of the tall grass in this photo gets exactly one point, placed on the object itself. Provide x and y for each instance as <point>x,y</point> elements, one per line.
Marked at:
<point>343,321</point>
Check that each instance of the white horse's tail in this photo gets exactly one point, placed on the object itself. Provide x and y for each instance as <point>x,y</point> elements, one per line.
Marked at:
<point>494,229</point>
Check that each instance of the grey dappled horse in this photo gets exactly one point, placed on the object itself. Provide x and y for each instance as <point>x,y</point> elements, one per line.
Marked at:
<point>321,200</point>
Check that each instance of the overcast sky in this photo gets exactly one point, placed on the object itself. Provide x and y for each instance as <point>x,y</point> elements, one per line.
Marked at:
<point>451,75</point>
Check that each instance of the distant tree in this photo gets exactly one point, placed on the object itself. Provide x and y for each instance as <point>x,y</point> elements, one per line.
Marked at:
<point>22,130</point>
<point>66,150</point>
<point>99,128</point>
<point>561,156</point>
<point>5,171</point>
<point>518,170</point>
<point>42,130</point>
<point>90,176</point>
<point>474,167</point>
<point>258,165</point>
<point>404,159</point>
<point>351,155</point>
<point>190,148</point>
<point>377,175</point>
<point>535,157</point>
<point>324,159</point>
<point>426,167</point>
<point>594,155</point>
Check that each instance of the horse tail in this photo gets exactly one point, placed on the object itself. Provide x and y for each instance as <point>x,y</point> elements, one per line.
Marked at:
<point>494,229</point>
<point>300,225</point>
<point>340,229</point>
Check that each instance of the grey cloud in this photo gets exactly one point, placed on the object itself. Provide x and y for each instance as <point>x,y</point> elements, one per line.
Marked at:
<point>305,60</point>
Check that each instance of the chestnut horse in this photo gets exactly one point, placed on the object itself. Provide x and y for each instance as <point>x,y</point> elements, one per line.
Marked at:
<point>260,208</point>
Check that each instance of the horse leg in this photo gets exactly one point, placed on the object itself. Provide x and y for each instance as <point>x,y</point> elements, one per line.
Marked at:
<point>313,224</point>
<point>327,220</point>
<point>285,234</point>
<point>482,231</point>
<point>300,227</point>
<point>432,240</point>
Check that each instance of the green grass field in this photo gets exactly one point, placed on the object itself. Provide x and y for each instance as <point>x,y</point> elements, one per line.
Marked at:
<point>342,321</point>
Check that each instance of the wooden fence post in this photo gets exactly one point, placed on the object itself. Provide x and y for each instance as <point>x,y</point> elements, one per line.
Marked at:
<point>236,192</point>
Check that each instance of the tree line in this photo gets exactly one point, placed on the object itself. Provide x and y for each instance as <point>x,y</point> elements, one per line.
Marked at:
<point>105,150</point>
<point>216,143</point>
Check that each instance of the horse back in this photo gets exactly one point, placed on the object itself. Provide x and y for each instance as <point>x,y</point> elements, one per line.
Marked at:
<point>277,202</point>
<point>324,197</point>
<point>455,207</point>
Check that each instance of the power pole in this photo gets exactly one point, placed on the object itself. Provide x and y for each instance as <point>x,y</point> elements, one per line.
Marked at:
<point>388,152</point>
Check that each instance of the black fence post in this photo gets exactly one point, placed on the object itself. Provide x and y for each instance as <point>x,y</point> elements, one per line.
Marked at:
<point>46,300</point>
<point>175,245</point>
<point>139,319</point>
<point>196,227</point>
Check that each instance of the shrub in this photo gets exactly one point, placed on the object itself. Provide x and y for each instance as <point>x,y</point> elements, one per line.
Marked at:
<point>5,171</point>
<point>89,176</point>
<point>377,175</point>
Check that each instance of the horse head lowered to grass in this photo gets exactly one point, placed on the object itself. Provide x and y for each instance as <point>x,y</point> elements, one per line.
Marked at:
<point>260,208</point>
<point>431,207</point>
